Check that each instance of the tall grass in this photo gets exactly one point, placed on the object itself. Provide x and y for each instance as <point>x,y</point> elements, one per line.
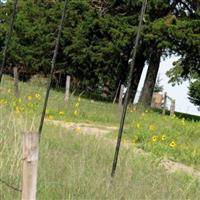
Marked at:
<point>75,166</point>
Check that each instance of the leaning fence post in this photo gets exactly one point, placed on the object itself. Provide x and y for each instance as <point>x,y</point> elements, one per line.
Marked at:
<point>67,87</point>
<point>121,95</point>
<point>30,164</point>
<point>172,107</point>
<point>117,92</point>
<point>120,103</point>
<point>164,103</point>
<point>16,81</point>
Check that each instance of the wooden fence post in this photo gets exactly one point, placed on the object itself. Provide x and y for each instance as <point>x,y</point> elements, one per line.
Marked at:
<point>116,92</point>
<point>30,164</point>
<point>16,81</point>
<point>120,103</point>
<point>121,95</point>
<point>67,87</point>
<point>164,103</point>
<point>172,107</point>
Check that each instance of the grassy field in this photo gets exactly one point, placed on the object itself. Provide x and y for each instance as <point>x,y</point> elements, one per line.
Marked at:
<point>75,166</point>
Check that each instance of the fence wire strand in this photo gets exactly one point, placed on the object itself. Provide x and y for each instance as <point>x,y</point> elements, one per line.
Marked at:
<point>10,186</point>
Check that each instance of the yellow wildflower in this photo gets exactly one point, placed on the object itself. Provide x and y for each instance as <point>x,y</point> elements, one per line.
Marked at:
<point>77,105</point>
<point>154,138</point>
<point>78,130</point>
<point>76,112</point>
<point>143,114</point>
<point>138,125</point>
<point>9,90</point>
<point>38,96</point>
<point>152,127</point>
<point>172,144</point>
<point>3,102</point>
<point>30,97</point>
<point>17,109</point>
<point>163,137</point>
<point>61,113</point>
<point>146,111</point>
<point>50,117</point>
<point>79,99</point>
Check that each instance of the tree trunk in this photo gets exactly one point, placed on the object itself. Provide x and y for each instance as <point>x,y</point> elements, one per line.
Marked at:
<point>136,78</point>
<point>150,80</point>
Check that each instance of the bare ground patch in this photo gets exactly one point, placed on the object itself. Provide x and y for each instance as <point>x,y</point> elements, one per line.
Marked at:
<point>85,128</point>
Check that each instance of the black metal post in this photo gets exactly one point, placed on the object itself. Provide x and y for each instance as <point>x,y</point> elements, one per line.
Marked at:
<point>8,36</point>
<point>132,64</point>
<point>52,69</point>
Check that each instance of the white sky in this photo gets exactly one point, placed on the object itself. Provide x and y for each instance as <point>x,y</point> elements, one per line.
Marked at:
<point>178,92</point>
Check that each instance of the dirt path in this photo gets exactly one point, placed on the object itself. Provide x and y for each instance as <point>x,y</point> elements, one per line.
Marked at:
<point>84,128</point>
<point>100,131</point>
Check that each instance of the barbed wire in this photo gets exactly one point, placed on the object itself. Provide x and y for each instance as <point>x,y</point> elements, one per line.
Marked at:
<point>10,186</point>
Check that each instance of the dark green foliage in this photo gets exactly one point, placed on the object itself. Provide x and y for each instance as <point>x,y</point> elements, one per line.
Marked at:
<point>194,92</point>
<point>158,87</point>
<point>95,46</point>
<point>186,44</point>
<point>98,37</point>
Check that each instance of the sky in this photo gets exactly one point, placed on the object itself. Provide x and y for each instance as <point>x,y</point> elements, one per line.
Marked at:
<point>178,92</point>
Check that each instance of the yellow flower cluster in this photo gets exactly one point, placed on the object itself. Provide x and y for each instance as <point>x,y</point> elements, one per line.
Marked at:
<point>19,109</point>
<point>50,117</point>
<point>38,97</point>
<point>156,138</point>
<point>77,105</point>
<point>138,125</point>
<point>78,130</point>
<point>163,137</point>
<point>30,98</point>
<point>152,127</point>
<point>3,102</point>
<point>132,109</point>
<point>61,113</point>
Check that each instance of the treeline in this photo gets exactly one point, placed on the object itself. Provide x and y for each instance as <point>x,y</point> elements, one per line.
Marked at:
<point>98,37</point>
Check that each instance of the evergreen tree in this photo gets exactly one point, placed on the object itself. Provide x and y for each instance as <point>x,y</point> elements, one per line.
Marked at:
<point>174,33</point>
<point>98,37</point>
<point>194,92</point>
